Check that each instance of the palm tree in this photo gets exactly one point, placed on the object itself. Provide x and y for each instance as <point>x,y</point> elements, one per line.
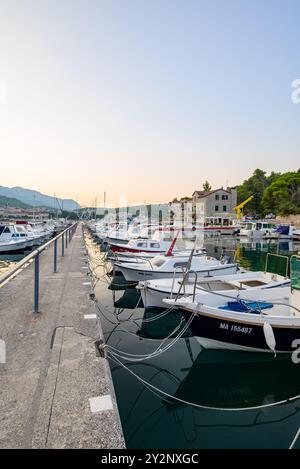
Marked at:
<point>206,186</point>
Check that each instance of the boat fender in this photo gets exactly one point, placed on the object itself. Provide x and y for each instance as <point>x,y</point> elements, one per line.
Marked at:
<point>269,336</point>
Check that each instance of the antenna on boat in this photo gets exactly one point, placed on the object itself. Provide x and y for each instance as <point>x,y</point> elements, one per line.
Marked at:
<point>170,250</point>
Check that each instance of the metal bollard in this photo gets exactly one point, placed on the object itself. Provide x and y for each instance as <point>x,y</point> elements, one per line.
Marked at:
<point>55,256</point>
<point>36,283</point>
<point>63,245</point>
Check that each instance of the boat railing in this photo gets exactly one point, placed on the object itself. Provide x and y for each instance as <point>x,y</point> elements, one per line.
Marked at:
<point>195,283</point>
<point>65,236</point>
<point>287,259</point>
<point>185,276</point>
<point>176,270</point>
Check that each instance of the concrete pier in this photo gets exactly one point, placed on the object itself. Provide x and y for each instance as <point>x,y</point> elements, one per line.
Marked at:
<point>55,391</point>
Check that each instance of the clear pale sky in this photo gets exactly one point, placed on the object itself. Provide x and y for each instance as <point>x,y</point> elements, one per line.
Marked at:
<point>146,98</point>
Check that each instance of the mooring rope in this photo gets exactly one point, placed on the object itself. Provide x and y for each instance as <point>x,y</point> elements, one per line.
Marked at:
<point>194,404</point>
<point>140,357</point>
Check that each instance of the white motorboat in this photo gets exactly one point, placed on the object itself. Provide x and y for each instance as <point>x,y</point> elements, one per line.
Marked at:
<point>9,247</point>
<point>140,231</point>
<point>142,257</point>
<point>160,243</point>
<point>296,234</point>
<point>155,291</point>
<point>34,234</point>
<point>102,230</point>
<point>12,240</point>
<point>118,233</point>
<point>21,233</point>
<point>167,266</point>
<point>254,319</point>
<point>257,229</point>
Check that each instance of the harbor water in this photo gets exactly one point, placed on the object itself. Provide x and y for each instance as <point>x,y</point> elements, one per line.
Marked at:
<point>220,399</point>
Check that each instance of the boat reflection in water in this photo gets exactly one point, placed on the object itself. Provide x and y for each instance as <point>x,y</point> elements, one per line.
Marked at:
<point>160,324</point>
<point>130,299</point>
<point>118,282</point>
<point>238,380</point>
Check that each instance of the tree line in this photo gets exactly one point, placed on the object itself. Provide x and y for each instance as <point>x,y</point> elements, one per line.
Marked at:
<point>276,193</point>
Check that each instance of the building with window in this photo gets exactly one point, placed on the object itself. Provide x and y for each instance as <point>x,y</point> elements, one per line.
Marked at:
<point>218,203</point>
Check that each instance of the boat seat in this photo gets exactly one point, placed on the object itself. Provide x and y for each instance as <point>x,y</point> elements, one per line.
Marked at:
<point>243,307</point>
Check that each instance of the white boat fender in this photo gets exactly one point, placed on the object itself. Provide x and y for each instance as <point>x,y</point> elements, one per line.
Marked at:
<point>270,337</point>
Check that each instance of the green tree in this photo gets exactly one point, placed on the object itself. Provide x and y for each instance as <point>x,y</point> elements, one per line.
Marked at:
<point>282,196</point>
<point>256,184</point>
<point>206,186</point>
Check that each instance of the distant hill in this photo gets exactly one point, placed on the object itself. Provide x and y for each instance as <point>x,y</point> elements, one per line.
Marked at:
<point>12,202</point>
<point>37,199</point>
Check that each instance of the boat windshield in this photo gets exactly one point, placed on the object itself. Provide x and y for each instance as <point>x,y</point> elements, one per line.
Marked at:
<point>247,226</point>
<point>19,228</point>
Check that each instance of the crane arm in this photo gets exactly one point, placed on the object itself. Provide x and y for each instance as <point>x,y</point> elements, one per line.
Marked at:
<point>238,208</point>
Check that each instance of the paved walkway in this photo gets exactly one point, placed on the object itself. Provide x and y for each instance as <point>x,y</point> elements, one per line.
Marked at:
<point>55,392</point>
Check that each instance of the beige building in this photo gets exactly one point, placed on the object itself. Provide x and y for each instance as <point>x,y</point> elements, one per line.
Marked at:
<point>216,203</point>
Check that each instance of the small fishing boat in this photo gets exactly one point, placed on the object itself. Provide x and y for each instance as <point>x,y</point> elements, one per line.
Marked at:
<point>21,233</point>
<point>155,291</point>
<point>12,240</point>
<point>159,244</point>
<point>134,231</point>
<point>167,266</point>
<point>129,257</point>
<point>256,319</point>
<point>35,234</point>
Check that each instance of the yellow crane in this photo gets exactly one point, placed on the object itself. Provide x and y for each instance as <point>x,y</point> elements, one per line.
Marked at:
<point>239,208</point>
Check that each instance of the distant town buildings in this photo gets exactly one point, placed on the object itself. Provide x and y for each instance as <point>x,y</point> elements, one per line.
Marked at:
<point>16,212</point>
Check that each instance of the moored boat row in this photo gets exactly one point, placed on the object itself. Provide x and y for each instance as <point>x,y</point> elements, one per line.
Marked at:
<point>16,237</point>
<point>227,307</point>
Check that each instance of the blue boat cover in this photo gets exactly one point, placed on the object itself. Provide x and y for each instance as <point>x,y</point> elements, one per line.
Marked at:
<point>283,229</point>
<point>242,307</point>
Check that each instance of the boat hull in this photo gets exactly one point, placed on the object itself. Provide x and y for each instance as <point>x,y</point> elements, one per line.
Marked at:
<point>116,241</point>
<point>153,297</point>
<point>226,334</point>
<point>126,248</point>
<point>137,275</point>
<point>12,249</point>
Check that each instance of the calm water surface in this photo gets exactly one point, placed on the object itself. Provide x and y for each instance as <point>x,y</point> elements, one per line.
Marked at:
<point>223,386</point>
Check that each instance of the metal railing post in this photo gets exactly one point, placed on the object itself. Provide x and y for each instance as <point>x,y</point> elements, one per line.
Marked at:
<point>66,233</point>
<point>36,282</point>
<point>70,237</point>
<point>63,245</point>
<point>55,256</point>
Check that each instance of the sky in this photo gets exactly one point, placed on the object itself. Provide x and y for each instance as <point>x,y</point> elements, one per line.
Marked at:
<point>146,99</point>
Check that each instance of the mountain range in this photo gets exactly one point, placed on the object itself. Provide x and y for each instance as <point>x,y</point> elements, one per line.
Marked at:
<point>37,199</point>
<point>12,202</point>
